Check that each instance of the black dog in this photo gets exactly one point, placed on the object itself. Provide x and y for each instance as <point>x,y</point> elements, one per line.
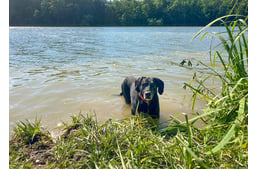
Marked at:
<point>142,93</point>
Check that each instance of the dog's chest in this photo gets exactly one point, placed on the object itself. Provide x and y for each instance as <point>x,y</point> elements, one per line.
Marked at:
<point>144,107</point>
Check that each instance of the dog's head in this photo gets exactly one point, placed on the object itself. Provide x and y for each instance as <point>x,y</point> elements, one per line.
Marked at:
<point>147,87</point>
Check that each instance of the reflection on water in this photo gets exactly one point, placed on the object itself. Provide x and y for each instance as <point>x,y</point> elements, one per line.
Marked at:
<point>56,72</point>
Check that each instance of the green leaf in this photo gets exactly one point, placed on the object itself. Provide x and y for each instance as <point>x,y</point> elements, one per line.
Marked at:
<point>189,150</point>
<point>232,130</point>
<point>210,24</point>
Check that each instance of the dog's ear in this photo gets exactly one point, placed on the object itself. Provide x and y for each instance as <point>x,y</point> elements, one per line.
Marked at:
<point>160,84</point>
<point>138,83</point>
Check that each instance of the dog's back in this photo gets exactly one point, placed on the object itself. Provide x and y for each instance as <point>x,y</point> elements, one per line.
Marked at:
<point>126,88</point>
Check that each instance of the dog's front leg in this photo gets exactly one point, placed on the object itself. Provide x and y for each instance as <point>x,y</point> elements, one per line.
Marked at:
<point>135,106</point>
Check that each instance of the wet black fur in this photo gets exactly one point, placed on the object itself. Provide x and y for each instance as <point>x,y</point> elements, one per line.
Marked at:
<point>147,87</point>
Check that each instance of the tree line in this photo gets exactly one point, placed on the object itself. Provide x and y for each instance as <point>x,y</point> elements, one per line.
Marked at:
<point>121,12</point>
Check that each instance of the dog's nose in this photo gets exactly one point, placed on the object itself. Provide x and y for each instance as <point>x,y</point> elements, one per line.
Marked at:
<point>147,95</point>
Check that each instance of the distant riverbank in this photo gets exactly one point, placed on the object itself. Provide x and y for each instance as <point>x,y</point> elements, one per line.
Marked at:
<point>121,13</point>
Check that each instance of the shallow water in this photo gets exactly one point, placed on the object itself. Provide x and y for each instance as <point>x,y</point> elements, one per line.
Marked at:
<point>57,72</point>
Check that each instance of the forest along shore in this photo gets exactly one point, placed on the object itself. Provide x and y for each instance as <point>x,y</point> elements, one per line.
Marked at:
<point>121,12</point>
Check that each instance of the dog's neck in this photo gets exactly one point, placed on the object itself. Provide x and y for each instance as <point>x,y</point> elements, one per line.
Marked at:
<point>142,98</point>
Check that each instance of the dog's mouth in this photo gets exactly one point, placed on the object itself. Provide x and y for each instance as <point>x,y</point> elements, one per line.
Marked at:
<point>148,96</point>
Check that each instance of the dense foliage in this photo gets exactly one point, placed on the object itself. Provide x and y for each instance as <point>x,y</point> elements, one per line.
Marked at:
<point>121,12</point>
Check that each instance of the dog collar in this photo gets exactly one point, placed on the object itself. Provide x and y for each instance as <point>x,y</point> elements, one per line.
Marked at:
<point>145,101</point>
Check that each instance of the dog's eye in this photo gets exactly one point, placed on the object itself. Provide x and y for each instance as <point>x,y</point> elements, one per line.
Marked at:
<point>152,85</point>
<point>145,84</point>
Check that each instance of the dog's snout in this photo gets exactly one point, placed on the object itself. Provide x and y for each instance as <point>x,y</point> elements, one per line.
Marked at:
<point>147,95</point>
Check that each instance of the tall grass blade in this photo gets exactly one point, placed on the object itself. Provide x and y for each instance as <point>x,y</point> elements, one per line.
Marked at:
<point>223,63</point>
<point>239,84</point>
<point>241,112</point>
<point>232,130</point>
<point>171,122</point>
<point>246,47</point>
<point>189,131</point>
<point>211,23</point>
<point>205,114</point>
<point>224,141</point>
<point>199,92</point>
<point>120,155</point>
<point>199,160</point>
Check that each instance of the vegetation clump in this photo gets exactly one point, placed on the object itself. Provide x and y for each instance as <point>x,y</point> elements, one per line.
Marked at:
<point>138,142</point>
<point>29,144</point>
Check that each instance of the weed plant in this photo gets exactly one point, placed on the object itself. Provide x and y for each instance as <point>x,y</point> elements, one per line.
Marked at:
<point>226,133</point>
<point>137,142</point>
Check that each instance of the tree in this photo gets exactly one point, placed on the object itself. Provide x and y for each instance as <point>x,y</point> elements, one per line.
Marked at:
<point>121,12</point>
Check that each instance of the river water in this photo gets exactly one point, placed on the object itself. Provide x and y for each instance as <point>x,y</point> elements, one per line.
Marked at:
<point>59,71</point>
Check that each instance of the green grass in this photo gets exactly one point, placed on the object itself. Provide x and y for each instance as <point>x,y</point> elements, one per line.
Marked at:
<point>139,142</point>
<point>229,108</point>
<point>28,132</point>
<point>130,143</point>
